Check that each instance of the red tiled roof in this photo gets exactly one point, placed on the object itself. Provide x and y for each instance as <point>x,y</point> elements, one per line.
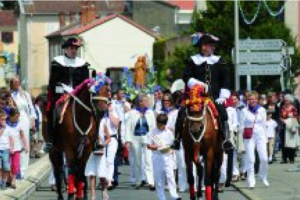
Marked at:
<point>183,5</point>
<point>77,29</point>
<point>54,7</point>
<point>7,18</point>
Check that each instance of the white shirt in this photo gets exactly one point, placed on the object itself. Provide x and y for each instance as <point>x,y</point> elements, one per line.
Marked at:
<point>4,140</point>
<point>157,106</point>
<point>271,126</point>
<point>257,121</point>
<point>165,136</point>
<point>232,119</point>
<point>15,132</point>
<point>119,107</point>
<point>112,129</point>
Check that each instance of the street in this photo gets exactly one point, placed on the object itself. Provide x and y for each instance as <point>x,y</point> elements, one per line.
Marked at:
<point>126,192</point>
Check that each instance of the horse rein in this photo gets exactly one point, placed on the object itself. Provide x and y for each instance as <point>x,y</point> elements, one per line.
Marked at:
<point>197,119</point>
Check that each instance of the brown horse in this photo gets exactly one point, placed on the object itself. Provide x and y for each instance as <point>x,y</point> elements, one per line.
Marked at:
<point>200,138</point>
<point>75,136</point>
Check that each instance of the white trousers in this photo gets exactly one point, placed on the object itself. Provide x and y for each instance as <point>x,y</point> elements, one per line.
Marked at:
<point>137,150</point>
<point>163,168</point>
<point>181,167</point>
<point>261,146</point>
<point>112,148</point>
<point>24,161</point>
<point>243,164</point>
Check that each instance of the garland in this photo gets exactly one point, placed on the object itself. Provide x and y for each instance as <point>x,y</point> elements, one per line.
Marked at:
<point>272,13</point>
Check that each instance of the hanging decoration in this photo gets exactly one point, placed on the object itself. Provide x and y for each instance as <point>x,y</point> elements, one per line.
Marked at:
<point>271,12</point>
<point>247,21</point>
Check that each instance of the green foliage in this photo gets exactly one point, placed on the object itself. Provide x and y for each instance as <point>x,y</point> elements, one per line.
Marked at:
<point>219,20</point>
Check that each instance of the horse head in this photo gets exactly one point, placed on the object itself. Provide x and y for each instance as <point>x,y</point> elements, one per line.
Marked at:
<point>196,111</point>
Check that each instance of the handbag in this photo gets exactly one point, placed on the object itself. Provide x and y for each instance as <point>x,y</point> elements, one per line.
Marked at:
<point>248,132</point>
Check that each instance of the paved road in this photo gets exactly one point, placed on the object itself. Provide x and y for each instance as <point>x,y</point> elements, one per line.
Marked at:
<point>126,192</point>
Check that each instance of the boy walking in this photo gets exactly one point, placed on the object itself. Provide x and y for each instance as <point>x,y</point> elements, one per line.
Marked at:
<point>6,147</point>
<point>271,126</point>
<point>159,141</point>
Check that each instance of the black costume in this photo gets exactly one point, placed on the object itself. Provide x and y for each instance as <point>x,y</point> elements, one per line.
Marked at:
<point>213,72</point>
<point>71,72</point>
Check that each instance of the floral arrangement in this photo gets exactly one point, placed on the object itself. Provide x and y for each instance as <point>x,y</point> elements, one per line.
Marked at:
<point>132,90</point>
<point>96,83</point>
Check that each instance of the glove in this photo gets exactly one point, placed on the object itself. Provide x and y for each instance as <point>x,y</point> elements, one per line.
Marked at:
<point>221,101</point>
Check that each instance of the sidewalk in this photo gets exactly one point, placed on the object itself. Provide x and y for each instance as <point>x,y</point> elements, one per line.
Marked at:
<point>36,173</point>
<point>284,185</point>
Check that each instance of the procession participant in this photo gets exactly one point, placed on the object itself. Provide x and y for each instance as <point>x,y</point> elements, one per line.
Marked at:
<point>209,69</point>
<point>141,120</point>
<point>233,126</point>
<point>159,141</point>
<point>271,126</point>
<point>69,70</point>
<point>158,95</point>
<point>255,135</point>
<point>27,117</point>
<point>96,164</point>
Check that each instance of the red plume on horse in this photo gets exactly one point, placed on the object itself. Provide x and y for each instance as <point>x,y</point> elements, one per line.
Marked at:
<point>200,139</point>
<point>76,132</point>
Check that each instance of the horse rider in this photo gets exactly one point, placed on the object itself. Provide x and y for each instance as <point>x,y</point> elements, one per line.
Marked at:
<point>69,70</point>
<point>205,67</point>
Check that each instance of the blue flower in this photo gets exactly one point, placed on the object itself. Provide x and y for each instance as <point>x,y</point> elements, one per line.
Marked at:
<point>125,69</point>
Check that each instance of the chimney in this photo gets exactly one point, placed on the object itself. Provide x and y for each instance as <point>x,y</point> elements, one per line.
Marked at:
<point>88,12</point>
<point>72,17</point>
<point>62,19</point>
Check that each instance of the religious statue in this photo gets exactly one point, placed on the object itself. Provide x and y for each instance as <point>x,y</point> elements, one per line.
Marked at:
<point>140,70</point>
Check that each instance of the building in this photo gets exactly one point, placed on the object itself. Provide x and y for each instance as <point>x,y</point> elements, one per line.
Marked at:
<point>110,43</point>
<point>40,18</point>
<point>9,41</point>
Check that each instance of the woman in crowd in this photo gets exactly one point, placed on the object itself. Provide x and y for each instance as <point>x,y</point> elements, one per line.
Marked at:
<point>289,117</point>
<point>254,132</point>
<point>27,116</point>
<point>141,120</point>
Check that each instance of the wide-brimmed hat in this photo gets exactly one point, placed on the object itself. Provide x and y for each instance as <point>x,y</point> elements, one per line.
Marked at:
<point>72,42</point>
<point>201,39</point>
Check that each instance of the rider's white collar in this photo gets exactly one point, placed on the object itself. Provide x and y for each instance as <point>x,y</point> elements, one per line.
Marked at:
<point>68,62</point>
<point>198,59</point>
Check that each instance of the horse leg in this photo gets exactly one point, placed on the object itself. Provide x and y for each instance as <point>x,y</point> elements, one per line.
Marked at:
<point>216,175</point>
<point>200,177</point>
<point>229,167</point>
<point>71,181</point>
<point>57,163</point>
<point>80,186</point>
<point>190,177</point>
<point>208,173</point>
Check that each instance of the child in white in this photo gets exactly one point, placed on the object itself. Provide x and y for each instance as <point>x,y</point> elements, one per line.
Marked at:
<point>6,147</point>
<point>271,126</point>
<point>20,142</point>
<point>158,140</point>
<point>96,164</point>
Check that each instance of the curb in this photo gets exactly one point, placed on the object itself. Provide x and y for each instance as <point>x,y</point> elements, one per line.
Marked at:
<point>245,192</point>
<point>37,173</point>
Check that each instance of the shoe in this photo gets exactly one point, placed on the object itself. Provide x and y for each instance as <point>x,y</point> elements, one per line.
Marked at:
<point>270,162</point>
<point>37,155</point>
<point>143,183</point>
<point>221,188</point>
<point>53,188</point>
<point>13,186</point>
<point>151,187</point>
<point>111,187</point>
<point>283,162</point>
<point>265,182</point>
<point>243,176</point>
<point>235,178</point>
<point>138,186</point>
<point>179,198</point>
<point>105,195</point>
<point>251,187</point>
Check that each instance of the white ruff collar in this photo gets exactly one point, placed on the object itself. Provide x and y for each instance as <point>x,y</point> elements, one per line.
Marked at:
<point>199,59</point>
<point>67,62</point>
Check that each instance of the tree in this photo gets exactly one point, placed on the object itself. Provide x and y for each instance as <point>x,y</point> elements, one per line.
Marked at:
<point>218,20</point>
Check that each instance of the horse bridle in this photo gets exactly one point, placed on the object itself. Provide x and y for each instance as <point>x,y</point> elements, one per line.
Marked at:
<point>197,119</point>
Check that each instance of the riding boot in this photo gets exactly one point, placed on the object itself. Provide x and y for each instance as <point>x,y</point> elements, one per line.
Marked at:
<point>227,145</point>
<point>49,143</point>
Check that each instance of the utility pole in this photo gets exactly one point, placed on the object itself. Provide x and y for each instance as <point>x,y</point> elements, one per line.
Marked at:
<point>236,43</point>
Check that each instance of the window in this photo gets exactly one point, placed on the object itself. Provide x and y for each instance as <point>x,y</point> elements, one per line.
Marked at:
<point>7,37</point>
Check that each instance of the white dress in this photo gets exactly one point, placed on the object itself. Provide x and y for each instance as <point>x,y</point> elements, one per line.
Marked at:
<point>96,164</point>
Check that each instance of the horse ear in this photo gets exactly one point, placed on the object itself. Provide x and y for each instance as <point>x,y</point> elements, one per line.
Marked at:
<point>94,73</point>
